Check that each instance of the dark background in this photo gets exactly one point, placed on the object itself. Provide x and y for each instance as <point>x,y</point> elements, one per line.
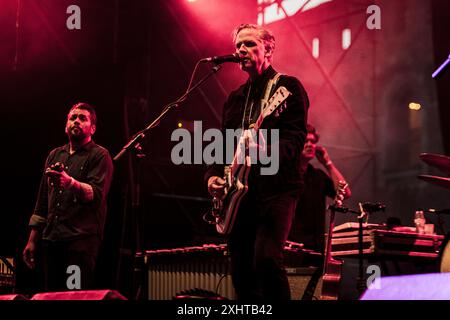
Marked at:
<point>131,58</point>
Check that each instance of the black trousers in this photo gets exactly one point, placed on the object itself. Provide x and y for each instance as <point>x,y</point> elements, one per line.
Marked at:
<point>256,247</point>
<point>59,255</point>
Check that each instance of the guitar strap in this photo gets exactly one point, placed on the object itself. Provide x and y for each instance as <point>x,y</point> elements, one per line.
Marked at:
<point>270,88</point>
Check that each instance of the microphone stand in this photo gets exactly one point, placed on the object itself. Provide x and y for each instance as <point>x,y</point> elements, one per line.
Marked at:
<point>134,144</point>
<point>360,280</point>
<point>141,134</point>
<point>360,283</point>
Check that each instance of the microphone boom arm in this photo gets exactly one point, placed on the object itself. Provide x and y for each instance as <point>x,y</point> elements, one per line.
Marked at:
<point>141,134</point>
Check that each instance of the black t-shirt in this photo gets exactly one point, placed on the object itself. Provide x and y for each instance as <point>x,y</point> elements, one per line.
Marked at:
<point>308,226</point>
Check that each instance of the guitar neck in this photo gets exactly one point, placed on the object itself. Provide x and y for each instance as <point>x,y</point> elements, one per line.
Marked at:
<point>328,256</point>
<point>258,122</point>
<point>274,102</point>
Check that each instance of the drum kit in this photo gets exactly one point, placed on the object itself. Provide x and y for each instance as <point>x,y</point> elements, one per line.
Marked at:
<point>442,163</point>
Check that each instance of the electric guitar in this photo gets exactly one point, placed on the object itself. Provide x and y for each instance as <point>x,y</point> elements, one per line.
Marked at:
<point>225,209</point>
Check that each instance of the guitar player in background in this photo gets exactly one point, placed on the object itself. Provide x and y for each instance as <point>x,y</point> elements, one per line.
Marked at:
<point>265,214</point>
<point>309,222</point>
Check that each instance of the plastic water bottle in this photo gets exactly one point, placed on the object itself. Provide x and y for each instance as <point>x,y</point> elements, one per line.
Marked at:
<point>419,221</point>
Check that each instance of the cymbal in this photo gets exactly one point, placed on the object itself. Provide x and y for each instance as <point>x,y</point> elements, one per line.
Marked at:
<point>438,161</point>
<point>439,181</point>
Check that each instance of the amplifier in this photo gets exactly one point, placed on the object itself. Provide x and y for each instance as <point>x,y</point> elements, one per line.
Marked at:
<point>179,271</point>
<point>305,283</point>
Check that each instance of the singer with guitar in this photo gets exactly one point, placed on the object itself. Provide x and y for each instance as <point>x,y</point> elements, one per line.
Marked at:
<point>265,206</point>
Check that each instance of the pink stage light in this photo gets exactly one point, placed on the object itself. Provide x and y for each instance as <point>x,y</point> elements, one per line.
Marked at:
<point>212,21</point>
<point>270,11</point>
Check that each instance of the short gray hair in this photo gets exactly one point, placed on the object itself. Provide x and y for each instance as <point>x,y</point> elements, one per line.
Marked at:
<point>265,35</point>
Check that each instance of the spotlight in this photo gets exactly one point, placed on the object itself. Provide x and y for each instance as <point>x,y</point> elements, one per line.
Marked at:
<point>414,106</point>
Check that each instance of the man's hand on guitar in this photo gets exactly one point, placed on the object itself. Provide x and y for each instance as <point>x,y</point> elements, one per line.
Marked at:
<point>216,186</point>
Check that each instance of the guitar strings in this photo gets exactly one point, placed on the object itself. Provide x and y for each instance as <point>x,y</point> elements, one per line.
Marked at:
<point>246,105</point>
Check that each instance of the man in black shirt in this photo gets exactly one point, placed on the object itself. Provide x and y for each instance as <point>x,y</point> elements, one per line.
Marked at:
<point>265,214</point>
<point>70,210</point>
<point>309,223</point>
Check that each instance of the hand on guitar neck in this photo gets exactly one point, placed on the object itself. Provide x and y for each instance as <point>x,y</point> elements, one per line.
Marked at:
<point>251,145</point>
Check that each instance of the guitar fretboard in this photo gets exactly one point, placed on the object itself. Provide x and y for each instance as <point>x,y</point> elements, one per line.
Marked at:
<point>274,102</point>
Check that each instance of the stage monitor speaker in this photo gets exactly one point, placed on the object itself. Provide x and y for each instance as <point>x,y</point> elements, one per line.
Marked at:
<point>305,283</point>
<point>12,297</point>
<point>431,286</point>
<point>80,295</point>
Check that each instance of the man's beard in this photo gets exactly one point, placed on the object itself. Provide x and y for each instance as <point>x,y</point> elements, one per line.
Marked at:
<point>76,137</point>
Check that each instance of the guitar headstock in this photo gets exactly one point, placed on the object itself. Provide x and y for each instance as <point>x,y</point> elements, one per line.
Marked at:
<point>275,100</point>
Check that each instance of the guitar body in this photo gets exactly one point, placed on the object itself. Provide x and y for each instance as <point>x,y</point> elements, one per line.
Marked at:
<point>332,270</point>
<point>232,200</point>
<point>331,280</point>
<point>236,175</point>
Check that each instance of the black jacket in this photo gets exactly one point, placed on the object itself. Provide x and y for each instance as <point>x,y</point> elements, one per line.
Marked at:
<point>291,123</point>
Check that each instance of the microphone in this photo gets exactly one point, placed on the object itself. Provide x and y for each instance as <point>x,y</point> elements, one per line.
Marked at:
<point>221,59</point>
